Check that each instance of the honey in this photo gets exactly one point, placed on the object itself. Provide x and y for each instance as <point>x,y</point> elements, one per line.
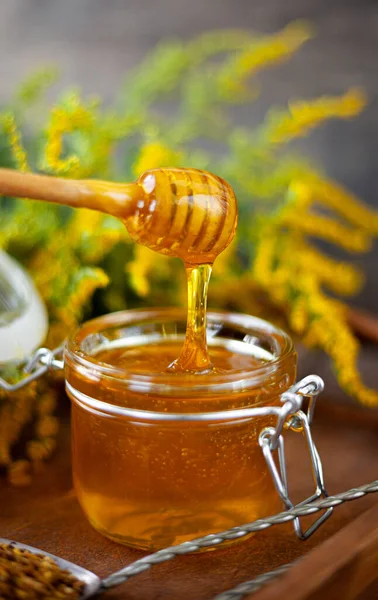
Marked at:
<point>193,355</point>
<point>160,484</point>
<point>147,478</point>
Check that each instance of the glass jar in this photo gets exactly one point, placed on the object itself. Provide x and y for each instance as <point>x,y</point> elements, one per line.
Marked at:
<point>23,316</point>
<point>161,458</point>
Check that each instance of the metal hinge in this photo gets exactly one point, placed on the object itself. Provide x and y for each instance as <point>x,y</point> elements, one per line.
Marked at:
<point>271,440</point>
<point>40,362</point>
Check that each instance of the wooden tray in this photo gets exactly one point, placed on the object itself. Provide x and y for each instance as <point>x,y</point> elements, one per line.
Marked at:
<point>47,515</point>
<point>344,566</point>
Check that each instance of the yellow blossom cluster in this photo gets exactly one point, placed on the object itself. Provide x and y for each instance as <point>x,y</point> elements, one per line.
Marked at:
<point>304,116</point>
<point>155,154</point>
<point>82,288</point>
<point>260,54</point>
<point>65,119</point>
<point>145,269</point>
<point>34,404</point>
<point>94,234</point>
<point>12,134</point>
<point>350,208</point>
<point>296,276</point>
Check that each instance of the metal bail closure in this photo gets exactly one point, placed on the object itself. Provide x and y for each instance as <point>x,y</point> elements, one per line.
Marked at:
<point>39,363</point>
<point>297,422</point>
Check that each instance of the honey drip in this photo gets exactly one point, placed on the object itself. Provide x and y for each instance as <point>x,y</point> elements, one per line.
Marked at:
<point>186,213</point>
<point>194,355</point>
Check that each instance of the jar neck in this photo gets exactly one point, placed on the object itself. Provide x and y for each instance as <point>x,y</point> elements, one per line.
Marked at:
<point>180,392</point>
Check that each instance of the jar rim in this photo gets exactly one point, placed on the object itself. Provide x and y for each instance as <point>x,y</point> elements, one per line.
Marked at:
<point>171,382</point>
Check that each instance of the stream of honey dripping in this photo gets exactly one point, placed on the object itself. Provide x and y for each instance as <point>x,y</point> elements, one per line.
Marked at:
<point>194,356</point>
<point>185,213</point>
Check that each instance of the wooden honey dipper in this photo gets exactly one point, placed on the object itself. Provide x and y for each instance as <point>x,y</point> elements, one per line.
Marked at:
<point>186,213</point>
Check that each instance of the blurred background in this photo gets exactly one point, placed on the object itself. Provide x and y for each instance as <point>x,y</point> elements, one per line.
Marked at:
<point>96,42</point>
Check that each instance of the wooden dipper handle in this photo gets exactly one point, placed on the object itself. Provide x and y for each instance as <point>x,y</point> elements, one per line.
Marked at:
<point>113,198</point>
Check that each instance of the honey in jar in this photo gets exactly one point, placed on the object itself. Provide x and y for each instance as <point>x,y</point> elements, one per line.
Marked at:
<point>160,456</point>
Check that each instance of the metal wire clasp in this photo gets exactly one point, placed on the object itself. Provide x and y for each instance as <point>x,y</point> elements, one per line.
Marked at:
<point>271,439</point>
<point>39,363</point>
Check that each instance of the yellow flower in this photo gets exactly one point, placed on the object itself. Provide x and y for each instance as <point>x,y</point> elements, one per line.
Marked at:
<point>340,277</point>
<point>327,229</point>
<point>343,202</point>
<point>222,266</point>
<point>82,290</point>
<point>270,50</point>
<point>298,317</point>
<point>73,116</point>
<point>264,257</point>
<point>46,403</point>
<point>47,426</point>
<point>38,450</point>
<point>154,155</point>
<point>14,138</point>
<point>304,116</point>
<point>300,194</point>
<point>51,267</point>
<point>94,234</point>
<point>139,269</point>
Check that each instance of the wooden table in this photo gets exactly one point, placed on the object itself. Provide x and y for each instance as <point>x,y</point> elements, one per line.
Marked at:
<point>47,515</point>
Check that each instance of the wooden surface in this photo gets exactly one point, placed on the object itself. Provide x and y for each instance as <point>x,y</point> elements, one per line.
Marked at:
<point>48,516</point>
<point>344,566</point>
